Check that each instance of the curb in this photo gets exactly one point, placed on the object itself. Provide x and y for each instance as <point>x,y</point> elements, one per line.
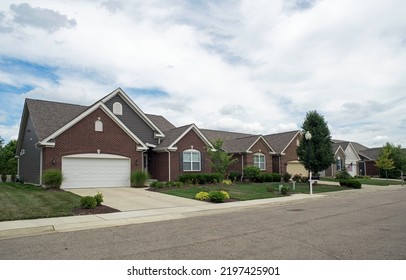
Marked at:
<point>26,231</point>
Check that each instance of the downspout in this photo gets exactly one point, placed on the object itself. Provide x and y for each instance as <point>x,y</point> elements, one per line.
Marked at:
<point>40,164</point>
<point>169,164</point>
<point>242,166</point>
<point>279,165</point>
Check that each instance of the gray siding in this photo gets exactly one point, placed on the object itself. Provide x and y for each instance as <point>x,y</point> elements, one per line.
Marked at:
<point>30,160</point>
<point>133,121</point>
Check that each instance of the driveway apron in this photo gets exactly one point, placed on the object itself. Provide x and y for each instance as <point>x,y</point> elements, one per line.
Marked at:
<point>131,199</point>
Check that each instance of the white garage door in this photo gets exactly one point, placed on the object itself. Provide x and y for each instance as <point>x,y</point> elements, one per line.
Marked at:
<point>95,170</point>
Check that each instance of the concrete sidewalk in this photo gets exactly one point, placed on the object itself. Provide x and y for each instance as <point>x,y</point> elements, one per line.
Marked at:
<point>10,229</point>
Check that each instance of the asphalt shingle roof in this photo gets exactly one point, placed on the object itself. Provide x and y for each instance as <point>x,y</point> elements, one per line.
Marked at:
<point>162,123</point>
<point>279,141</point>
<point>172,135</point>
<point>49,116</point>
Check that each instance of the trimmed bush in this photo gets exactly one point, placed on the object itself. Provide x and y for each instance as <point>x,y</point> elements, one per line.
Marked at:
<point>297,178</point>
<point>234,176</point>
<point>286,177</point>
<point>159,185</point>
<point>226,195</point>
<point>252,173</point>
<point>200,178</point>
<point>52,178</point>
<point>217,196</point>
<point>169,184</point>
<point>99,198</point>
<point>343,175</point>
<point>284,190</point>
<point>276,177</point>
<point>351,183</point>
<point>267,177</point>
<point>202,196</point>
<point>88,202</point>
<point>227,182</point>
<point>179,184</point>
<point>139,178</point>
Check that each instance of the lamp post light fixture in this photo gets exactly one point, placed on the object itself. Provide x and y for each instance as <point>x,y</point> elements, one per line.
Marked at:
<point>308,137</point>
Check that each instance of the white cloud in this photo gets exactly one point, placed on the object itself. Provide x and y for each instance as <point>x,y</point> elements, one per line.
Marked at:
<point>250,66</point>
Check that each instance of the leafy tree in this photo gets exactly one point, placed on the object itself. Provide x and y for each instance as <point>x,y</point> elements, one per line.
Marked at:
<point>398,155</point>
<point>384,161</point>
<point>321,152</point>
<point>220,160</point>
<point>8,162</point>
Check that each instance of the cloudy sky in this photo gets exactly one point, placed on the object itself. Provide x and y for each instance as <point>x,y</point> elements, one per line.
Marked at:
<point>249,66</point>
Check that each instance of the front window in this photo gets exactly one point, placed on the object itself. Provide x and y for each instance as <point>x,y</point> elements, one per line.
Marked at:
<point>191,160</point>
<point>339,164</point>
<point>259,161</point>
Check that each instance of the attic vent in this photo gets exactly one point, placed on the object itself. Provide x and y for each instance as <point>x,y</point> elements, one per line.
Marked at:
<point>117,108</point>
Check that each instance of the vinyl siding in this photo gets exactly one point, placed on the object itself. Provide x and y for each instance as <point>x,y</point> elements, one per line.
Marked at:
<point>133,121</point>
<point>30,160</point>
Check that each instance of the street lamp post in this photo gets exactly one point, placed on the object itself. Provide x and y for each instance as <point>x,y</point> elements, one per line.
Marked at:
<point>308,137</point>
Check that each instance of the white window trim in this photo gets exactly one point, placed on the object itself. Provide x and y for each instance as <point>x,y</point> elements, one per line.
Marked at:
<point>258,164</point>
<point>191,151</point>
<point>98,126</point>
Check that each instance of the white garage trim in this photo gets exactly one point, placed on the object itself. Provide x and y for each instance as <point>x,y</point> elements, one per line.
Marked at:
<point>95,171</point>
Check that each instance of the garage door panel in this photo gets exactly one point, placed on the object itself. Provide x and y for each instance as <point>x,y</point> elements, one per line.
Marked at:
<point>95,172</point>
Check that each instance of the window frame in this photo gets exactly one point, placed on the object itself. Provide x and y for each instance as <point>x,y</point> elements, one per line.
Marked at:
<point>192,152</point>
<point>258,162</point>
<point>117,108</point>
<point>98,126</point>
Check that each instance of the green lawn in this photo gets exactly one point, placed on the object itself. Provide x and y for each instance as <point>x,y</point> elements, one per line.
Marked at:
<point>18,201</point>
<point>374,182</point>
<point>242,191</point>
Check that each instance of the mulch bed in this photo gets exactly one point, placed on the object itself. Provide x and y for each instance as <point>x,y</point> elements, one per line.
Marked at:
<point>102,209</point>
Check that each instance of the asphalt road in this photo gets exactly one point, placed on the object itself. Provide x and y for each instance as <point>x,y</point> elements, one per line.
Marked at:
<point>368,225</point>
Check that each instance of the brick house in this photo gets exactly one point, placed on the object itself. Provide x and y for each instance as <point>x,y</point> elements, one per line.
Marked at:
<point>102,144</point>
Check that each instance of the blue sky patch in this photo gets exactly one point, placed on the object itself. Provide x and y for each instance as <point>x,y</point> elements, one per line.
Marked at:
<point>5,88</point>
<point>152,92</point>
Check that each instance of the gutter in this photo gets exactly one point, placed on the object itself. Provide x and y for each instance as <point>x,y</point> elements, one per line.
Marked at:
<point>169,164</point>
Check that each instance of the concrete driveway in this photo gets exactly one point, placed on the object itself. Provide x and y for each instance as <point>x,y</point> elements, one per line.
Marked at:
<point>130,199</point>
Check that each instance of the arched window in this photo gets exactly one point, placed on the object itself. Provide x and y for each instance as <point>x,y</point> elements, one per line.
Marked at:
<point>98,125</point>
<point>259,161</point>
<point>117,108</point>
<point>339,163</point>
<point>191,160</point>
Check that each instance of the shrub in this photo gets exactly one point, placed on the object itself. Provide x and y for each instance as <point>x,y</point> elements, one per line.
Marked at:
<point>139,178</point>
<point>252,172</point>
<point>267,177</point>
<point>286,177</point>
<point>179,184</point>
<point>354,184</point>
<point>284,190</point>
<point>88,202</point>
<point>202,196</point>
<point>343,174</point>
<point>99,198</point>
<point>169,184</point>
<point>297,178</point>
<point>343,183</point>
<point>227,182</point>
<point>52,178</point>
<point>159,185</point>
<point>200,178</point>
<point>234,176</point>
<point>217,196</point>
<point>276,177</point>
<point>226,195</point>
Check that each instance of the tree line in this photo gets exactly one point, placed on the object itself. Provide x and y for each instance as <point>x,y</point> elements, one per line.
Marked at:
<point>8,162</point>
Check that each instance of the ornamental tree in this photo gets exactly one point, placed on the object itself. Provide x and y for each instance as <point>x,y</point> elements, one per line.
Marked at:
<point>321,154</point>
<point>220,160</point>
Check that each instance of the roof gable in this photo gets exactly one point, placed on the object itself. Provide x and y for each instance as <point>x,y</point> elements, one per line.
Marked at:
<point>244,144</point>
<point>136,109</point>
<point>281,141</point>
<point>175,135</point>
<point>48,140</point>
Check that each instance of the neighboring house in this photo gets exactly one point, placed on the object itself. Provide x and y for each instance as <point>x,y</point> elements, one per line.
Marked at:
<point>367,164</point>
<point>338,165</point>
<point>248,150</point>
<point>351,157</point>
<point>286,159</point>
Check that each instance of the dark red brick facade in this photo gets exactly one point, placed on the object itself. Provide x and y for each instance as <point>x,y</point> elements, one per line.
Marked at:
<point>82,138</point>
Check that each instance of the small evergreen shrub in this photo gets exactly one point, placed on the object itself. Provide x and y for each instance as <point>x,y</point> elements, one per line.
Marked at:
<point>169,184</point>
<point>234,176</point>
<point>343,183</point>
<point>227,182</point>
<point>252,172</point>
<point>267,177</point>
<point>99,198</point>
<point>286,177</point>
<point>179,184</point>
<point>354,184</point>
<point>200,178</point>
<point>52,178</point>
<point>284,190</point>
<point>202,196</point>
<point>343,174</point>
<point>276,177</point>
<point>139,178</point>
<point>160,185</point>
<point>217,196</point>
<point>297,178</point>
<point>88,202</point>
